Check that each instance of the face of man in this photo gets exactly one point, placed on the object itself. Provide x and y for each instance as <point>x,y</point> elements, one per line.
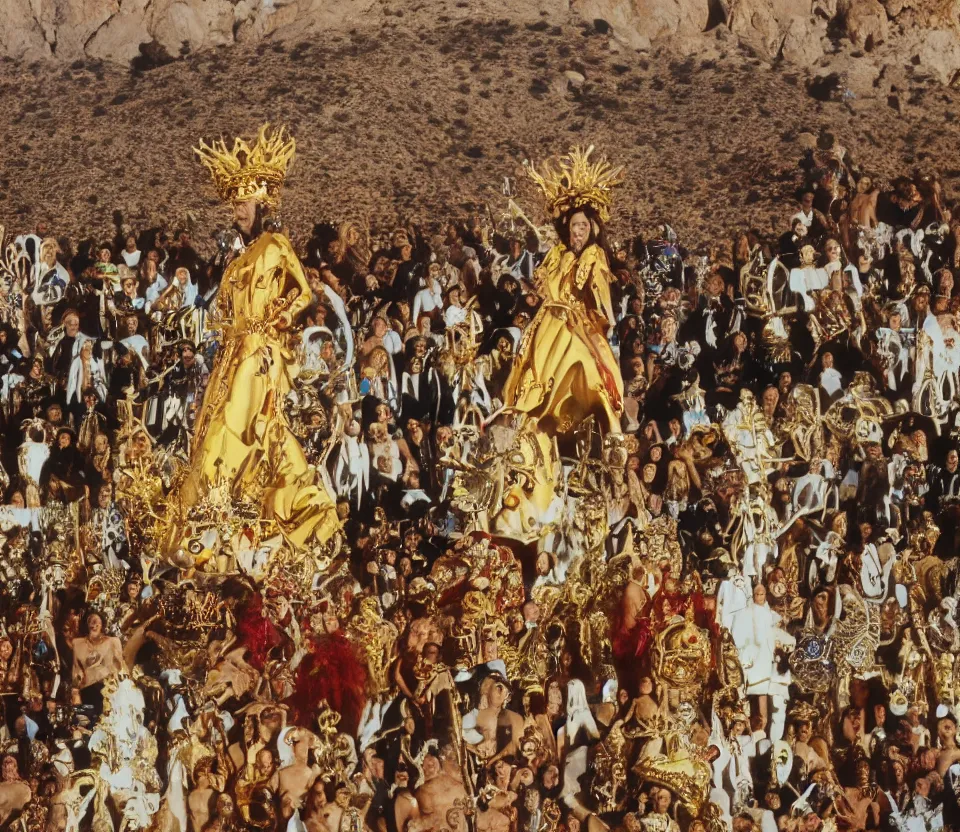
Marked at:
<point>806,202</point>
<point>245,215</point>
<point>952,460</point>
<point>71,326</point>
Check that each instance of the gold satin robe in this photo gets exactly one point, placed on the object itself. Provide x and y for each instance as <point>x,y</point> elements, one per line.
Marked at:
<point>565,369</point>
<point>242,437</point>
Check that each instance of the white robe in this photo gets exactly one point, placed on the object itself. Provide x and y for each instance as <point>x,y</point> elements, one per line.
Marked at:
<point>756,632</point>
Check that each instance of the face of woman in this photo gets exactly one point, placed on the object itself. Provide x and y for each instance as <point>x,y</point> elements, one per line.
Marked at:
<point>94,626</point>
<point>579,231</point>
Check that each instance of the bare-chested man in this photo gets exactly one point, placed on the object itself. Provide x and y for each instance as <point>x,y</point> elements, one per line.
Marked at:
<point>297,778</point>
<point>437,795</point>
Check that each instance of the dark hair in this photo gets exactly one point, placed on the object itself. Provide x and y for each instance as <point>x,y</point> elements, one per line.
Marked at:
<point>85,628</point>
<point>597,232</point>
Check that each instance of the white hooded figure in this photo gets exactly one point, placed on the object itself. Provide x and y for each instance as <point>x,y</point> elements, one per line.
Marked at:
<point>31,456</point>
<point>579,729</point>
<point>733,598</point>
<point>757,634</point>
<point>352,474</point>
<point>119,740</point>
<point>313,339</point>
<point>86,371</point>
<point>808,278</point>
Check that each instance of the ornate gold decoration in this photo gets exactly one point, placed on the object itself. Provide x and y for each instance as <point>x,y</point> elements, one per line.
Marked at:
<point>684,775</point>
<point>573,181</point>
<point>250,172</point>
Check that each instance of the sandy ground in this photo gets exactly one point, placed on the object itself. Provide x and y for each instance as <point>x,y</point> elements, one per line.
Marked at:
<point>425,123</point>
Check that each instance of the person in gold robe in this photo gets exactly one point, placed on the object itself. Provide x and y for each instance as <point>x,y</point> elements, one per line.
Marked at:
<point>565,369</point>
<point>242,440</point>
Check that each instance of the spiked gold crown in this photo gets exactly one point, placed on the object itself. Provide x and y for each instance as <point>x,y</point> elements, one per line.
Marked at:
<point>250,172</point>
<point>573,181</point>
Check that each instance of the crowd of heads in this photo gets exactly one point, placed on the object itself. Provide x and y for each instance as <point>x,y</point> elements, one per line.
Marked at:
<point>762,637</point>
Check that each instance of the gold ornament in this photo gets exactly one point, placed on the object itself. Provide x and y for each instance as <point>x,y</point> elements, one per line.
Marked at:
<point>244,172</point>
<point>573,181</point>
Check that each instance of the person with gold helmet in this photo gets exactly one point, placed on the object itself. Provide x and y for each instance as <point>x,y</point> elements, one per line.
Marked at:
<point>242,440</point>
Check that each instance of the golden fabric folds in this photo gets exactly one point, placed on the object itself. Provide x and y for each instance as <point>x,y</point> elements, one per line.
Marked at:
<point>242,436</point>
<point>565,369</point>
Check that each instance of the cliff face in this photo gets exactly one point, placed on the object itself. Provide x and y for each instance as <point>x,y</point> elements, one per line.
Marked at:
<point>924,33</point>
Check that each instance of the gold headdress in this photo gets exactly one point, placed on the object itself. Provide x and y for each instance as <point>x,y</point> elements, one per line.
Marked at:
<point>687,777</point>
<point>244,172</point>
<point>573,181</point>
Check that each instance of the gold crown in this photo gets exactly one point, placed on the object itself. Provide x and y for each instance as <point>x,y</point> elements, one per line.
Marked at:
<point>573,181</point>
<point>244,172</point>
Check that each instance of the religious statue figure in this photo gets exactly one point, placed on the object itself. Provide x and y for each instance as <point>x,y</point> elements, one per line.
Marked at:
<point>243,441</point>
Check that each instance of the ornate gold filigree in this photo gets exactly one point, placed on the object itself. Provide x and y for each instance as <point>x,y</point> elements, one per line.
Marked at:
<point>250,172</point>
<point>573,181</point>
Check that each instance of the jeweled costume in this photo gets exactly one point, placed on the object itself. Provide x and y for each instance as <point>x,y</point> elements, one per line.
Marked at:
<point>565,369</point>
<point>242,438</point>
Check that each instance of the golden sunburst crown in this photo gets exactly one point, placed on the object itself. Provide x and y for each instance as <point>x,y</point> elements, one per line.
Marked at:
<point>573,181</point>
<point>248,171</point>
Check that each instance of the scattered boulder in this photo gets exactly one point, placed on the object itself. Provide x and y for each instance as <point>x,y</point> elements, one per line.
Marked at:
<point>802,40</point>
<point>866,23</point>
<point>938,52</point>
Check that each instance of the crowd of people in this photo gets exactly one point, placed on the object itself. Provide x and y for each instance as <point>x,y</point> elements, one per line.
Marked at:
<point>484,526</point>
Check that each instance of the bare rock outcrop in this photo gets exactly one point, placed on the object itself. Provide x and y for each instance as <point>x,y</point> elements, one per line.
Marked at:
<point>924,34</point>
<point>639,23</point>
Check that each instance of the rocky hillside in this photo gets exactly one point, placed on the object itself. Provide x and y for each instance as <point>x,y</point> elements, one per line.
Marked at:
<point>922,32</point>
<point>425,113</point>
